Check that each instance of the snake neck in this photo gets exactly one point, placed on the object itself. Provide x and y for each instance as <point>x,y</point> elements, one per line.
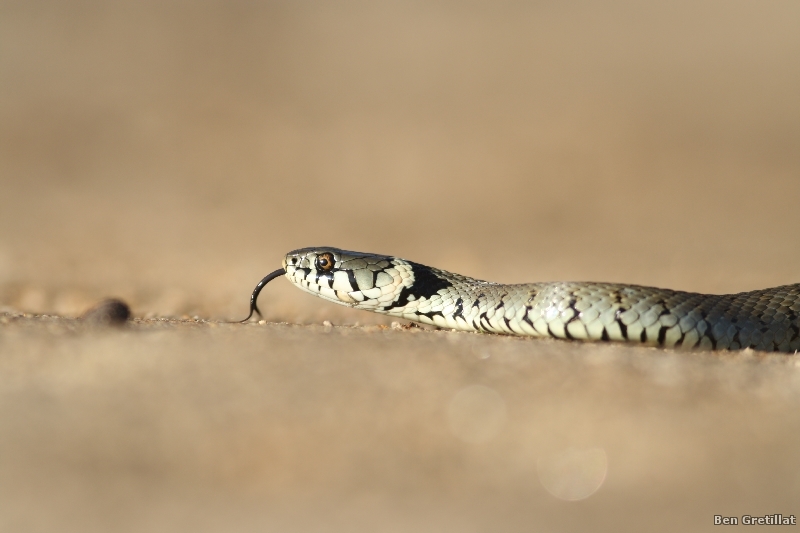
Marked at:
<point>449,300</point>
<point>428,284</point>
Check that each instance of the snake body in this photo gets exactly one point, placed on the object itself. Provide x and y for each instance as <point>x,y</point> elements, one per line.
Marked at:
<point>767,320</point>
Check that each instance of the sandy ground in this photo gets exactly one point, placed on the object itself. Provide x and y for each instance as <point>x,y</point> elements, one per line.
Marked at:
<point>169,153</point>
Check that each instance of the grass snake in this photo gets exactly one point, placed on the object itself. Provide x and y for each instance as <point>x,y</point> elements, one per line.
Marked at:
<point>767,320</point>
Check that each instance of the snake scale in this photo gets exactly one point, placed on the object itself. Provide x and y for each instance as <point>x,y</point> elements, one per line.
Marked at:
<point>767,320</point>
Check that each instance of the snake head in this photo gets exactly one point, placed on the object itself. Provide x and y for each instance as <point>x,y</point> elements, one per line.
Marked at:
<point>365,281</point>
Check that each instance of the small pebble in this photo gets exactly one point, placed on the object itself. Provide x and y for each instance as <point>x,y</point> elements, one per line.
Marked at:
<point>111,312</point>
<point>327,323</point>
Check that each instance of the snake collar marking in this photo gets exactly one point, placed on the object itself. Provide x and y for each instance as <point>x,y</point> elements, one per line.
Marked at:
<point>767,320</point>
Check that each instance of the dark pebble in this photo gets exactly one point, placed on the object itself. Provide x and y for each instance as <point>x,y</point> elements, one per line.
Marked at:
<point>111,312</point>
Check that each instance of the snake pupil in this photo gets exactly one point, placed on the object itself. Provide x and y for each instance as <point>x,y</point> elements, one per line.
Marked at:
<point>324,261</point>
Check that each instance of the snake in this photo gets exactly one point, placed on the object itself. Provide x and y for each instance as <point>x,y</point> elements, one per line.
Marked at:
<point>764,320</point>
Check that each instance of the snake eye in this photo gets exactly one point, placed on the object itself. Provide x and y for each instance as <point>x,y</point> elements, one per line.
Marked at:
<point>325,261</point>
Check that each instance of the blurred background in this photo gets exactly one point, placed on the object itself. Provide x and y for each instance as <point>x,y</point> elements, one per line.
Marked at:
<point>171,152</point>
